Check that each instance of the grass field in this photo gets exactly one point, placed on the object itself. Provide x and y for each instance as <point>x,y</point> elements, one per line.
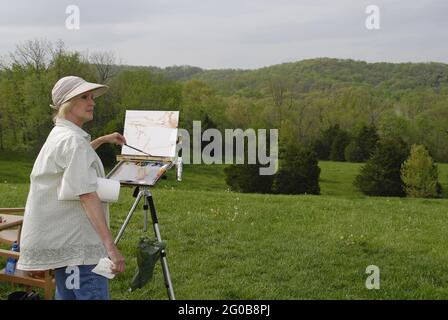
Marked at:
<point>225,245</point>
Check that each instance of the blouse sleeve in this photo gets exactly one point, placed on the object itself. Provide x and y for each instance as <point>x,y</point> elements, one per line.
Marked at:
<point>79,175</point>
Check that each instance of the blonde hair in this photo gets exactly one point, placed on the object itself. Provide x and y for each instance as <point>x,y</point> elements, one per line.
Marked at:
<point>63,110</point>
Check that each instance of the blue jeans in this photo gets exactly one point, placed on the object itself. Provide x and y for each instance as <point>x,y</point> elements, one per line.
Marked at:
<point>80,283</point>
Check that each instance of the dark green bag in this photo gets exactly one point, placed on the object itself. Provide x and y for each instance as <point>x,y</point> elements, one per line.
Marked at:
<point>148,253</point>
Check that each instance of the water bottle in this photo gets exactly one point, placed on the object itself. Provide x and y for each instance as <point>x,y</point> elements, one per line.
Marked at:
<point>11,262</point>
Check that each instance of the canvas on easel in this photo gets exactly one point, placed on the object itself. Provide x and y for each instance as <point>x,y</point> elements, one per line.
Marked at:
<point>154,133</point>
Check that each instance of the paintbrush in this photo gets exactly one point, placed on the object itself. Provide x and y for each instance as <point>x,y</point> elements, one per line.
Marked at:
<point>138,150</point>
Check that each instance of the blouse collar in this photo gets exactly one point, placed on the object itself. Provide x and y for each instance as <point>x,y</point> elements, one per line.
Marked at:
<point>70,125</point>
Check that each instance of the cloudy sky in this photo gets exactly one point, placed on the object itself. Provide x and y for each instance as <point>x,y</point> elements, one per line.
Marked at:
<point>234,33</point>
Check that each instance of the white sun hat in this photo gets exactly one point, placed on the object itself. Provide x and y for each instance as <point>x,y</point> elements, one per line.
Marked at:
<point>69,87</point>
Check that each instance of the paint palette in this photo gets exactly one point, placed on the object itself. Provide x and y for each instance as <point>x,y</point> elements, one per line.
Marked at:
<point>144,173</point>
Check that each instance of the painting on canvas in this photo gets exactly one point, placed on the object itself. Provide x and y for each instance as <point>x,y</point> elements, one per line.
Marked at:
<point>154,132</point>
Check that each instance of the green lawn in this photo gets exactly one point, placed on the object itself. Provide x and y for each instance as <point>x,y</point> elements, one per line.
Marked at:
<point>225,245</point>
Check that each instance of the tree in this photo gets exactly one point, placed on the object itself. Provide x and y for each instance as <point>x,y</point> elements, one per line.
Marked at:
<point>196,96</point>
<point>104,65</point>
<point>420,174</point>
<point>340,142</point>
<point>352,152</point>
<point>332,143</point>
<point>278,88</point>
<point>380,176</point>
<point>33,53</point>
<point>392,126</point>
<point>367,140</point>
<point>65,63</point>
<point>324,144</point>
<point>362,145</point>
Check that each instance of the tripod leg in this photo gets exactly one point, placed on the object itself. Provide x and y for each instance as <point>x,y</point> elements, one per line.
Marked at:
<point>128,218</point>
<point>166,271</point>
<point>145,214</point>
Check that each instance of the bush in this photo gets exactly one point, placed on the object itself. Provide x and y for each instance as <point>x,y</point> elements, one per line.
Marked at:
<point>246,178</point>
<point>299,172</point>
<point>381,176</point>
<point>420,175</point>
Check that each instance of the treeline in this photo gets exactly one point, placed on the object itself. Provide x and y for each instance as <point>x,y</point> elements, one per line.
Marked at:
<point>306,98</point>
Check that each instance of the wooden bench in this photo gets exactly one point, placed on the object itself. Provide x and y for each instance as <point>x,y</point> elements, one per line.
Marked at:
<point>10,229</point>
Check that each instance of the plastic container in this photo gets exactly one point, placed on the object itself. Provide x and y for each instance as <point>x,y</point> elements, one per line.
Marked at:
<point>11,262</point>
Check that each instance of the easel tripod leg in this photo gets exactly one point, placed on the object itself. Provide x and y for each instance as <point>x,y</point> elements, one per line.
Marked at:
<point>165,269</point>
<point>128,218</point>
<point>145,214</point>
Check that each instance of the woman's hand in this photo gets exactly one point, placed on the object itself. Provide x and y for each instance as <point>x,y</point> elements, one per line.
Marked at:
<point>114,138</point>
<point>117,259</point>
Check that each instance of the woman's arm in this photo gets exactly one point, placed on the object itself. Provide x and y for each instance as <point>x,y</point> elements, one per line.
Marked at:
<point>94,210</point>
<point>97,142</point>
<point>115,138</point>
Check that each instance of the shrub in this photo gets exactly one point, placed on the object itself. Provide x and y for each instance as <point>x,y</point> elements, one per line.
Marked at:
<point>299,172</point>
<point>380,176</point>
<point>420,175</point>
<point>246,178</point>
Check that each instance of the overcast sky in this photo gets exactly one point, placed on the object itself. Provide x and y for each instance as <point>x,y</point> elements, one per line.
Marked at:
<point>234,33</point>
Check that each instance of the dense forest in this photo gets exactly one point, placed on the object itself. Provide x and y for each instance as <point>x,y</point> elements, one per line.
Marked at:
<point>302,99</point>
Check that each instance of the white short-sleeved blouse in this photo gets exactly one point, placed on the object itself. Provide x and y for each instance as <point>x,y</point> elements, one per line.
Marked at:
<point>58,233</point>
